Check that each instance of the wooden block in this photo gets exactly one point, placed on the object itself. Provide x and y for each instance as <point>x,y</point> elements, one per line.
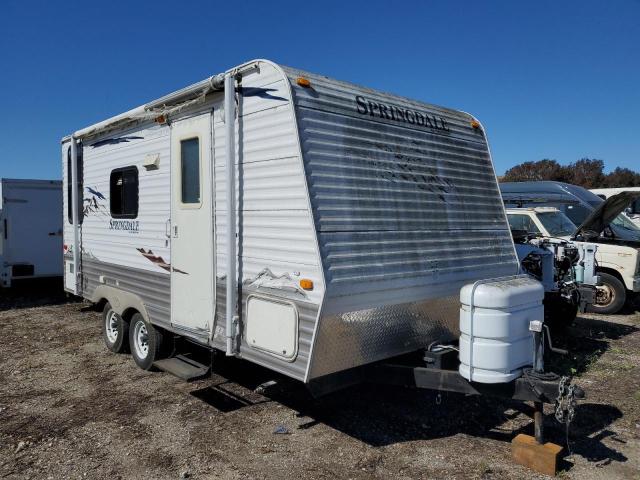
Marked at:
<point>541,458</point>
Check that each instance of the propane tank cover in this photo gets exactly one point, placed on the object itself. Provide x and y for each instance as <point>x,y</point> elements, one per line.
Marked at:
<point>495,340</point>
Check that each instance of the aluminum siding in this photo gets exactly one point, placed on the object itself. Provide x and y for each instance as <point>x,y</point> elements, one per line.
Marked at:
<point>116,246</point>
<point>274,222</point>
<point>153,288</point>
<point>393,201</point>
<point>405,215</point>
<point>275,228</point>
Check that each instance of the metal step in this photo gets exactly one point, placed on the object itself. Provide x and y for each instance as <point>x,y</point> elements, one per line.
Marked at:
<point>182,367</point>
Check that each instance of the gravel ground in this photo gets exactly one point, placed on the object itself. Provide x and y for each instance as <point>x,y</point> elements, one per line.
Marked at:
<point>71,409</point>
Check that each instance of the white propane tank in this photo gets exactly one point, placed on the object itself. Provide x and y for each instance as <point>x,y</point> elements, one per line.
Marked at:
<point>495,341</point>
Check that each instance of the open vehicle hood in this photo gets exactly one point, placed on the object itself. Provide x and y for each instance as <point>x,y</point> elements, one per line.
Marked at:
<point>606,212</point>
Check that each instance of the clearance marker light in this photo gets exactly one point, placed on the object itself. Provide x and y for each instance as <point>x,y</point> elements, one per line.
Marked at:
<point>475,124</point>
<point>306,284</point>
<point>303,82</point>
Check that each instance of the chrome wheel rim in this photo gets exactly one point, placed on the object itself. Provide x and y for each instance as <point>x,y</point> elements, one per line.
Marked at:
<point>111,326</point>
<point>141,340</point>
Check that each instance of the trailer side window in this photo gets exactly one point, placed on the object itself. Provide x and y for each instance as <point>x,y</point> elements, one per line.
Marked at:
<point>190,170</point>
<point>123,192</point>
<point>79,178</point>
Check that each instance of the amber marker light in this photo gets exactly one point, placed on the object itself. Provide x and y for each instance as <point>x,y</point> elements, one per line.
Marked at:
<point>303,82</point>
<point>475,124</point>
<point>306,284</point>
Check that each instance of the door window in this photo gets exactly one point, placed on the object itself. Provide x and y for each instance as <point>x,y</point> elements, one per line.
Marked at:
<point>190,170</point>
<point>79,178</point>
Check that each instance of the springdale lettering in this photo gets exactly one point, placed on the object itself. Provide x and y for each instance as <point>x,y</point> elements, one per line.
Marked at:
<point>399,114</point>
<point>131,226</point>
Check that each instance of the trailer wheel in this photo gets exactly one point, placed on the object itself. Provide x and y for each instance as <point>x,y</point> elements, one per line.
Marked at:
<point>115,330</point>
<point>610,295</point>
<point>147,342</point>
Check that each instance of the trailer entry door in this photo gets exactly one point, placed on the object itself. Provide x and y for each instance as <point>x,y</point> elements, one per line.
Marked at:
<point>192,289</point>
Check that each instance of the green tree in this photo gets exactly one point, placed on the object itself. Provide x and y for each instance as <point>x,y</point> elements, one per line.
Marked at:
<point>622,177</point>
<point>586,172</point>
<point>545,169</point>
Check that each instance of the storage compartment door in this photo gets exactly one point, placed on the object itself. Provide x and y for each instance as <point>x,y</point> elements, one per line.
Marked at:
<point>272,327</point>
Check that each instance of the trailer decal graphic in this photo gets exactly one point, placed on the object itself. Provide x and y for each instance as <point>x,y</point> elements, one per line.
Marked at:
<point>261,93</point>
<point>115,141</point>
<point>159,261</point>
<point>94,203</point>
<point>403,171</point>
<point>267,279</point>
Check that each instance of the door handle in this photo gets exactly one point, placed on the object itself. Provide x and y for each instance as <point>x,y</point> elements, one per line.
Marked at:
<point>175,231</point>
<point>167,229</point>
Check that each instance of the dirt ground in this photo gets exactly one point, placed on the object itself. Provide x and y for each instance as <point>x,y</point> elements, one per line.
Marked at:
<point>71,409</point>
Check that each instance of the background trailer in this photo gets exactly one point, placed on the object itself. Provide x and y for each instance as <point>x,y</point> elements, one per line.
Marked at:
<point>30,229</point>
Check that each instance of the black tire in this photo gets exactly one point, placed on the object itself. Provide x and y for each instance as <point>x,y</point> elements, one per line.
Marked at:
<point>156,342</point>
<point>115,330</point>
<point>611,295</point>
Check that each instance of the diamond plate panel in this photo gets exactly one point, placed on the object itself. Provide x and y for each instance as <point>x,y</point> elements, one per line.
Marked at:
<point>355,338</point>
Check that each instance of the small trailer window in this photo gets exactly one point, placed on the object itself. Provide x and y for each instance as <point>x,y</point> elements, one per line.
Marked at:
<point>123,192</point>
<point>190,170</point>
<point>79,178</point>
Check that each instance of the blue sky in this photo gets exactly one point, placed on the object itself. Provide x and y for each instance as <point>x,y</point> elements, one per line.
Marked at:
<point>548,79</point>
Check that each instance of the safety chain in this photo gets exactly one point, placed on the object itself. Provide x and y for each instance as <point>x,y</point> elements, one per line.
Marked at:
<point>565,408</point>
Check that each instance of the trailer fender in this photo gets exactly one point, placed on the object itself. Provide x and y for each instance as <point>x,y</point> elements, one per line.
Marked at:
<point>120,300</point>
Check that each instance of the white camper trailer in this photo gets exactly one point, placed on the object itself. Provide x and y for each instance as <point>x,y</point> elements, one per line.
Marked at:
<point>302,223</point>
<point>30,229</point>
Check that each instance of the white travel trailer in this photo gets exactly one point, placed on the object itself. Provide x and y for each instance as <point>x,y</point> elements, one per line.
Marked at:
<point>30,229</point>
<point>352,218</point>
<point>311,226</point>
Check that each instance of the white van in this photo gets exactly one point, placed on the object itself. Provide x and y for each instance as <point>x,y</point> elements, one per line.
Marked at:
<point>633,210</point>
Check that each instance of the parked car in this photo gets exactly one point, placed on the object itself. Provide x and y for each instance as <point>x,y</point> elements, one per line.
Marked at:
<point>633,209</point>
<point>618,238</point>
